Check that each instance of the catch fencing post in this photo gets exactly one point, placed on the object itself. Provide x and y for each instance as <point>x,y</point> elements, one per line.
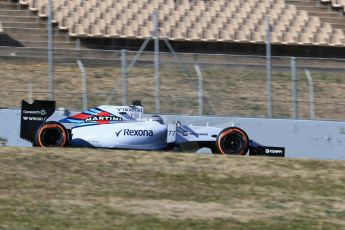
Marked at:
<point>84,83</point>
<point>200,90</point>
<point>311,94</point>
<point>268,67</point>
<point>124,76</point>
<point>294,92</point>
<point>157,61</point>
<point>77,44</point>
<point>50,52</point>
<point>30,92</point>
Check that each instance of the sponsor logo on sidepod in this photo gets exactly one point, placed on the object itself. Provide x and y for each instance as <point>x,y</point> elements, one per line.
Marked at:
<point>103,118</point>
<point>133,132</point>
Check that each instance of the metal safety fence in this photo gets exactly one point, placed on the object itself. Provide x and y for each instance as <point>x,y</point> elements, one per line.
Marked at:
<point>230,85</point>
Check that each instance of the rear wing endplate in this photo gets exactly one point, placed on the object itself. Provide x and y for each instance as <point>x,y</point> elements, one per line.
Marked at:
<point>33,115</point>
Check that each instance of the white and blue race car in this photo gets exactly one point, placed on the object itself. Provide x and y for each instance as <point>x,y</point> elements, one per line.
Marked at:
<point>124,127</point>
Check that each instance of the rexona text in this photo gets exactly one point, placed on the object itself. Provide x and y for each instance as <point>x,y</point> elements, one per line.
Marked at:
<point>133,132</point>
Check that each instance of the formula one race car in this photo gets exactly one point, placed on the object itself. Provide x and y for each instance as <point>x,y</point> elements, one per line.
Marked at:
<point>124,127</point>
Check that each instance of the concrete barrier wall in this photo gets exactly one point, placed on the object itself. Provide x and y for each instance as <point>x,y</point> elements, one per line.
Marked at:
<point>301,138</point>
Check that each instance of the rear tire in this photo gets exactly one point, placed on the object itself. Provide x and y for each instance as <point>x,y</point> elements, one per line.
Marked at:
<point>51,134</point>
<point>232,141</point>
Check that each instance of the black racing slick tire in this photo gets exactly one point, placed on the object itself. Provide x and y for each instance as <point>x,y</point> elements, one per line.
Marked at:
<point>232,141</point>
<point>51,134</point>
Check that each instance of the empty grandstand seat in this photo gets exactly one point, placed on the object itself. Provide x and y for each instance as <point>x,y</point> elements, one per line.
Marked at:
<point>241,36</point>
<point>276,39</point>
<point>225,36</point>
<point>95,31</point>
<point>77,30</point>
<point>337,38</point>
<point>144,32</point>
<point>221,20</point>
<point>257,37</point>
<point>128,32</point>
<point>305,39</point>
<point>192,35</point>
<point>289,38</point>
<point>321,39</point>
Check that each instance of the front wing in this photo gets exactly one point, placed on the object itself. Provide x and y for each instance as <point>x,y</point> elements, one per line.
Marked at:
<point>255,149</point>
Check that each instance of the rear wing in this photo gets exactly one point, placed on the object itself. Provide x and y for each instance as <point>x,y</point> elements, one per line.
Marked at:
<point>33,115</point>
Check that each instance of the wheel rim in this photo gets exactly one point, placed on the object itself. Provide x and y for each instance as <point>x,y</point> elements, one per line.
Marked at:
<point>233,142</point>
<point>52,137</point>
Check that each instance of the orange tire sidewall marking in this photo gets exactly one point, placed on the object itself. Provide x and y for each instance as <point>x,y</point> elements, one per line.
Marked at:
<point>228,132</point>
<point>48,126</point>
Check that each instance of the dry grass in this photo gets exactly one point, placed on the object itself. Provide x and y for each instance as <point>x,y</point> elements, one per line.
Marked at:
<point>108,189</point>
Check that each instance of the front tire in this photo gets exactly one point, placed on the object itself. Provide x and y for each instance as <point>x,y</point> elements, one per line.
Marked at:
<point>51,134</point>
<point>232,141</point>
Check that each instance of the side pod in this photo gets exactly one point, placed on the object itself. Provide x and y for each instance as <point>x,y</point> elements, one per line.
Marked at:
<point>33,115</point>
<point>255,149</point>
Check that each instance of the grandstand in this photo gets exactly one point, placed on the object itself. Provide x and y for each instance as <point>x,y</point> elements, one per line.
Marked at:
<point>210,24</point>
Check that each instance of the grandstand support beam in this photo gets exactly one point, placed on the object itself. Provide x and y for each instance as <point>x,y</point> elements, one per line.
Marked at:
<point>268,67</point>
<point>50,52</point>
<point>156,61</point>
<point>294,92</point>
<point>84,83</point>
<point>200,90</point>
<point>124,77</point>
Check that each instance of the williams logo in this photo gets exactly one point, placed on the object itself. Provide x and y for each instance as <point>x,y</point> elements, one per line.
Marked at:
<point>33,118</point>
<point>135,133</point>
